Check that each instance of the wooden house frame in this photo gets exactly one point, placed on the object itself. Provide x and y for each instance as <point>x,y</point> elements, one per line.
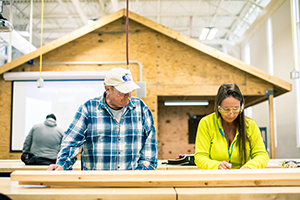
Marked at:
<point>174,67</point>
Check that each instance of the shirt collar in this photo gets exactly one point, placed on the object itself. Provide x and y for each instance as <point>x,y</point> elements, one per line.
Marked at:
<point>131,105</point>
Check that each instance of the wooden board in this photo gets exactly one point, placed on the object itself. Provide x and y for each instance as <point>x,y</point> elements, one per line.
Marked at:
<point>20,192</point>
<point>13,165</point>
<point>17,192</point>
<point>245,193</point>
<point>8,166</point>
<point>161,178</point>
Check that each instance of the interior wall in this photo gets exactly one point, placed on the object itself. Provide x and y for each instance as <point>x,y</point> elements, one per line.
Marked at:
<point>259,59</point>
<point>173,130</point>
<point>283,65</point>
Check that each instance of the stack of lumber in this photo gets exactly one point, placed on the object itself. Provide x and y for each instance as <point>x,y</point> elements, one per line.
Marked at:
<point>150,185</point>
<point>161,178</point>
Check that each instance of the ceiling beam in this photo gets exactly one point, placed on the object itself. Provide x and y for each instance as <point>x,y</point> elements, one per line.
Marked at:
<point>80,11</point>
<point>114,4</point>
<point>17,41</point>
<point>67,12</point>
<point>102,8</point>
<point>215,14</point>
<point>257,5</point>
<point>229,13</point>
<point>158,11</point>
<point>260,20</point>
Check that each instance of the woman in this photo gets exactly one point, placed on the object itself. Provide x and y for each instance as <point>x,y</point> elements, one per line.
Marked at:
<point>226,139</point>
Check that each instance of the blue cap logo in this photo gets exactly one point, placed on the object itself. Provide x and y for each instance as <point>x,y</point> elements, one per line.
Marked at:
<point>126,78</point>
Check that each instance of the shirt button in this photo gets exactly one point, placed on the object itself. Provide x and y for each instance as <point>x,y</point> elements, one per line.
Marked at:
<point>119,152</point>
<point>118,167</point>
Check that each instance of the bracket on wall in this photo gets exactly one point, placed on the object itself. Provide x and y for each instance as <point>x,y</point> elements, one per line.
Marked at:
<point>269,92</point>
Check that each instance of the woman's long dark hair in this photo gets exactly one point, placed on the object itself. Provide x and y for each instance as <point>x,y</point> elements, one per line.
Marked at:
<point>232,90</point>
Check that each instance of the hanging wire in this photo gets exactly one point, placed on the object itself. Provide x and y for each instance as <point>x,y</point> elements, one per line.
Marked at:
<point>41,48</point>
<point>127,27</point>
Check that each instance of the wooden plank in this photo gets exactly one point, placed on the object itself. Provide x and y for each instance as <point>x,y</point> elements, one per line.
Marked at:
<point>201,90</point>
<point>8,166</point>
<point>17,192</point>
<point>245,193</point>
<point>13,165</point>
<point>272,128</point>
<point>161,178</point>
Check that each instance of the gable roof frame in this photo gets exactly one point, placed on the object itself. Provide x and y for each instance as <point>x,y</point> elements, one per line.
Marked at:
<point>280,85</point>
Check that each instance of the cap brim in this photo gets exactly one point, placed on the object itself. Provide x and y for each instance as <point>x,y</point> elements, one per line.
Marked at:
<point>127,87</point>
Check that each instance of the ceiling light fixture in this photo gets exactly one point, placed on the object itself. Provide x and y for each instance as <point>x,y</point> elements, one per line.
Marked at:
<point>186,103</point>
<point>208,33</point>
<point>91,21</point>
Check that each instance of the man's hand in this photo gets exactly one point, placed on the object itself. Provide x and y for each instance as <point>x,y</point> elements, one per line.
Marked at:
<point>55,167</point>
<point>225,165</point>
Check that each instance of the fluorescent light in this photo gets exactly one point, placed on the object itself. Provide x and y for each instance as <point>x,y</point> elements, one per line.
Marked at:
<point>91,21</point>
<point>204,33</point>
<point>212,33</point>
<point>186,103</point>
<point>208,33</point>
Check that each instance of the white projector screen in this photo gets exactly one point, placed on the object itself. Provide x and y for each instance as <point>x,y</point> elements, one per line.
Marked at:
<point>30,104</point>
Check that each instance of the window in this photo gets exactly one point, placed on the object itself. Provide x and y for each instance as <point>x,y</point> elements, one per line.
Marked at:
<point>193,125</point>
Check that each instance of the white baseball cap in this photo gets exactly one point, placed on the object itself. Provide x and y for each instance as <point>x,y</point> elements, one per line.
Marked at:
<point>121,79</point>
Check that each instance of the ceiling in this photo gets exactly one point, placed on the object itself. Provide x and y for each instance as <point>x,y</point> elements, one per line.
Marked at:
<point>189,17</point>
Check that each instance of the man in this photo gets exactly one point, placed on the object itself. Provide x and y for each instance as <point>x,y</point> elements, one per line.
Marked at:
<point>116,130</point>
<point>43,141</point>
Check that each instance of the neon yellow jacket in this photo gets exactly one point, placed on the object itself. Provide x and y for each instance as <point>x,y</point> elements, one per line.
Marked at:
<point>212,147</point>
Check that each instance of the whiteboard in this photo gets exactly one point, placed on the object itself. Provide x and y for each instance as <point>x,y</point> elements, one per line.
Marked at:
<point>31,105</point>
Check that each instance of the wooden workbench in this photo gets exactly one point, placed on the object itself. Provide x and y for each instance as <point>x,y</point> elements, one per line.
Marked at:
<point>20,192</point>
<point>8,166</point>
<point>234,184</point>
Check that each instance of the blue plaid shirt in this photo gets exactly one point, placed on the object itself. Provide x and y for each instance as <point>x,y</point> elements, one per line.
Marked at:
<point>107,144</point>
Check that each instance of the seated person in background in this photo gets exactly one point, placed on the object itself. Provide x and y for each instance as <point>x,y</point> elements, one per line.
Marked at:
<point>116,130</point>
<point>42,144</point>
<point>226,139</point>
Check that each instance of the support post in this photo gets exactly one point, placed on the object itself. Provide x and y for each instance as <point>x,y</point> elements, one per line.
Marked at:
<point>270,95</point>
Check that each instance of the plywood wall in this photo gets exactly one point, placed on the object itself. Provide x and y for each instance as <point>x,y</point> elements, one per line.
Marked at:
<point>173,133</point>
<point>170,68</point>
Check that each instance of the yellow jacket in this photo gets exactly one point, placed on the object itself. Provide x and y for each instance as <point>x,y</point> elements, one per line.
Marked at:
<point>212,147</point>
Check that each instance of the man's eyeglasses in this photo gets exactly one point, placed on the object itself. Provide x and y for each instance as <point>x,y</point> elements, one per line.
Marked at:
<point>120,93</point>
<point>226,111</point>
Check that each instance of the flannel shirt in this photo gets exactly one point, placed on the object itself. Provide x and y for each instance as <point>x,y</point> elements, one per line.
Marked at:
<point>107,144</point>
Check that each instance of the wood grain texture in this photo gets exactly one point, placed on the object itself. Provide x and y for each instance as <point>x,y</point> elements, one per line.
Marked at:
<point>20,192</point>
<point>161,178</point>
<point>245,193</point>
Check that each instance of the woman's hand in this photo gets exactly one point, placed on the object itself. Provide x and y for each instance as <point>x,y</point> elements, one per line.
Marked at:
<point>245,168</point>
<point>225,165</point>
